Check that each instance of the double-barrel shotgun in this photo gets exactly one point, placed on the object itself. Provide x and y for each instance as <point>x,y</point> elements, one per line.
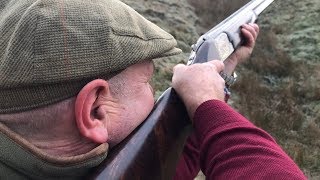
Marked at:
<point>153,149</point>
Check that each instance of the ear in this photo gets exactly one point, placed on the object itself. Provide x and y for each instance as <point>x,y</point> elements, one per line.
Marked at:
<point>92,120</point>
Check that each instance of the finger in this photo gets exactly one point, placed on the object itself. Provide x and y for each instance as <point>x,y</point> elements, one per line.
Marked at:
<point>218,65</point>
<point>249,37</point>
<point>251,30</point>
<point>256,27</point>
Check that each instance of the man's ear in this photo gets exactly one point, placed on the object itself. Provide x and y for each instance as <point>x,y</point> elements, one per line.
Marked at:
<point>92,120</point>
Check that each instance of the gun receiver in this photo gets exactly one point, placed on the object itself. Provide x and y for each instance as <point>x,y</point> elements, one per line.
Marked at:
<point>221,41</point>
<point>152,150</point>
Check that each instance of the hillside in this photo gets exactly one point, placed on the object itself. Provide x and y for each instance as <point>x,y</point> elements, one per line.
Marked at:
<point>279,87</point>
<point>283,80</point>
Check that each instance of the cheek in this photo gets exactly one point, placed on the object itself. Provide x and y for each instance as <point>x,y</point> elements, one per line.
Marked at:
<point>143,104</point>
<point>136,111</point>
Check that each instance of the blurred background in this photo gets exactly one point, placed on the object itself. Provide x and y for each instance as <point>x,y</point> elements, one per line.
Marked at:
<point>278,88</point>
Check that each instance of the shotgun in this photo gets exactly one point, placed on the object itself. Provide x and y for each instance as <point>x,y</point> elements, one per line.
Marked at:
<point>153,149</point>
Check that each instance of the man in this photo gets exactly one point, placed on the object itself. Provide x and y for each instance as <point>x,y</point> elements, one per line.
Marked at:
<point>74,81</point>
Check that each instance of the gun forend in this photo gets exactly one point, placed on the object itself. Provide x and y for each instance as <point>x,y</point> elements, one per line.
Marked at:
<point>224,38</point>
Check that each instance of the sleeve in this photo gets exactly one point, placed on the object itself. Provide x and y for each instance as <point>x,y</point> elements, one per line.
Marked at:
<point>231,147</point>
<point>189,166</point>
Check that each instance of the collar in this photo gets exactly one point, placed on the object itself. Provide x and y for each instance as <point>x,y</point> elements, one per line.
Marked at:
<point>26,159</point>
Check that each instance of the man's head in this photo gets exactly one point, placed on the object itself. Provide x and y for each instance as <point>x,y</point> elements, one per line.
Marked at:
<point>94,54</point>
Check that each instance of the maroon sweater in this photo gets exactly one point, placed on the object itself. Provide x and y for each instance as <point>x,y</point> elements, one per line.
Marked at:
<point>225,145</point>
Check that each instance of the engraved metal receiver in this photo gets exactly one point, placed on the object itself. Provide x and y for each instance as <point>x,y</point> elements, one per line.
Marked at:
<point>222,40</point>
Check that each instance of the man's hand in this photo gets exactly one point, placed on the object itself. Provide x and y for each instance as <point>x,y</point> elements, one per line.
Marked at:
<point>198,83</point>
<point>250,33</point>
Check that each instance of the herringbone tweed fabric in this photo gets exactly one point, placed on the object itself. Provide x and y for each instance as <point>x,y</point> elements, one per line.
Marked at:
<point>49,49</point>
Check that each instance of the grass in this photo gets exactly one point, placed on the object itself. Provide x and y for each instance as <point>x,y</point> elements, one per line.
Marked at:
<point>279,94</point>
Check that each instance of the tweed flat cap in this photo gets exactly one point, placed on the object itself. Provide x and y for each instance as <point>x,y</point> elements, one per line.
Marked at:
<point>49,49</point>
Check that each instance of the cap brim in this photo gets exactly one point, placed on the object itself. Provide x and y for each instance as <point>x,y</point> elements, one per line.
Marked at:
<point>172,52</point>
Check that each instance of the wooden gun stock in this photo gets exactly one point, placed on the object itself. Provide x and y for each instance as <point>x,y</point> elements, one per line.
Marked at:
<point>153,149</point>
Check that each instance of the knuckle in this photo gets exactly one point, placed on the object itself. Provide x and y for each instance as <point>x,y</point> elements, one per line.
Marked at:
<point>219,66</point>
<point>178,67</point>
<point>207,66</point>
<point>222,81</point>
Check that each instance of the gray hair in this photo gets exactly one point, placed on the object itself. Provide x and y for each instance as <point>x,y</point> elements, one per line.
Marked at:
<point>40,119</point>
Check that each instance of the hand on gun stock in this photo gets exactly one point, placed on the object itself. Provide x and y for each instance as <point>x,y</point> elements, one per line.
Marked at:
<point>198,83</point>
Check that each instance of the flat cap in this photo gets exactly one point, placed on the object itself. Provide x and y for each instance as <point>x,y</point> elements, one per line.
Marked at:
<point>49,49</point>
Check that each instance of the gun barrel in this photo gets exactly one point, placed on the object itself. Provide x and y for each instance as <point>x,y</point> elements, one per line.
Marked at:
<point>258,10</point>
<point>254,6</point>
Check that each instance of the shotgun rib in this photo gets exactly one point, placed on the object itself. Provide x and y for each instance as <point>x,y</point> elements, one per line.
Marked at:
<point>153,149</point>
